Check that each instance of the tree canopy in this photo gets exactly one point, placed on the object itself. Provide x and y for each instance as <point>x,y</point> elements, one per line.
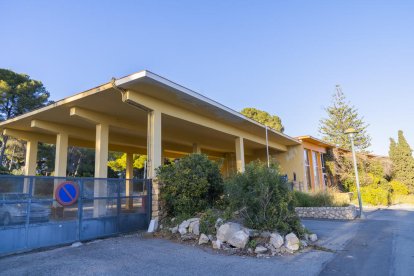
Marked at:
<point>264,117</point>
<point>18,94</point>
<point>341,116</point>
<point>402,159</point>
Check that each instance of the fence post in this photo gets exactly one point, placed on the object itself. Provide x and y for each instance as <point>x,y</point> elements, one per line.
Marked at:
<point>28,209</point>
<point>118,204</point>
<point>80,209</point>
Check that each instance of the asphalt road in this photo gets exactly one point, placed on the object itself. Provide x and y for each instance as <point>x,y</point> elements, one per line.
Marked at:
<point>379,245</point>
<point>383,245</point>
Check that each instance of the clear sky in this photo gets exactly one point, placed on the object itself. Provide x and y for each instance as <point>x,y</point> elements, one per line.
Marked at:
<point>284,57</point>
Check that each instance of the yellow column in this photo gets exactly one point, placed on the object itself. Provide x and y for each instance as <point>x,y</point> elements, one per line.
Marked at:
<point>61,157</point>
<point>240,154</point>
<point>154,142</point>
<point>129,175</point>
<point>196,148</point>
<point>154,159</point>
<point>30,163</point>
<point>61,160</point>
<point>101,168</point>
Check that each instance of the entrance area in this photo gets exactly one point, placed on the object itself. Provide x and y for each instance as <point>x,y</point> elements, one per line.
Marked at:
<point>31,217</point>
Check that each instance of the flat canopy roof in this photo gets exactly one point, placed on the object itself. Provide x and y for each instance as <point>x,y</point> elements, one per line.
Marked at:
<point>106,99</point>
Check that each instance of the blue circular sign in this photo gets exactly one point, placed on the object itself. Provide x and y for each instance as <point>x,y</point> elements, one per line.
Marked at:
<point>67,193</point>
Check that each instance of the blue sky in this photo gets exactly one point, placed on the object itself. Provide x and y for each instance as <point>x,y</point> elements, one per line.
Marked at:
<point>284,57</point>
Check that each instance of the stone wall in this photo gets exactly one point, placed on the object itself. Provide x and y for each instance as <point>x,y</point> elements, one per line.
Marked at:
<point>327,212</point>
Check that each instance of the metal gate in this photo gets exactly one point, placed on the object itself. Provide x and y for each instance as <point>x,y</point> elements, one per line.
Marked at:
<point>30,216</point>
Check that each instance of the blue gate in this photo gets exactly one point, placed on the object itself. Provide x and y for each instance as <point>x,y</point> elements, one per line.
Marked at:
<point>31,217</point>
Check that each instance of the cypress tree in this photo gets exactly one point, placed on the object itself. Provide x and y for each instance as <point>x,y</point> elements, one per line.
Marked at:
<point>341,116</point>
<point>402,159</point>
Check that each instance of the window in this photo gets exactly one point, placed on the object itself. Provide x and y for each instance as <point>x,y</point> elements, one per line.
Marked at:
<point>307,169</point>
<point>324,175</point>
<point>316,169</point>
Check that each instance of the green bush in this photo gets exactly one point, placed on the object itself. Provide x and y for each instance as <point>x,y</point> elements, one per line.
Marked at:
<point>320,199</point>
<point>262,199</point>
<point>191,185</point>
<point>208,222</point>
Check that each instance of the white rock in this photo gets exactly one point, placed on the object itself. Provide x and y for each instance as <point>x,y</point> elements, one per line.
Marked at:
<point>251,232</point>
<point>194,227</point>
<point>203,239</point>
<point>182,228</point>
<point>219,222</point>
<point>76,244</point>
<point>304,243</point>
<point>174,230</point>
<point>227,230</point>
<point>239,239</point>
<point>313,237</point>
<point>210,237</point>
<point>153,226</point>
<point>260,249</point>
<point>291,242</point>
<point>276,240</point>
<point>216,244</point>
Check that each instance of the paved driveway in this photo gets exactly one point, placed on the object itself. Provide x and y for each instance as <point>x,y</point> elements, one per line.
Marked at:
<point>132,255</point>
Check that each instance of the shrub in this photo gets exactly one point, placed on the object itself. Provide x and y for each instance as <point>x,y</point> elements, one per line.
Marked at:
<point>208,222</point>
<point>190,185</point>
<point>320,199</point>
<point>263,200</point>
<point>399,188</point>
<point>374,195</point>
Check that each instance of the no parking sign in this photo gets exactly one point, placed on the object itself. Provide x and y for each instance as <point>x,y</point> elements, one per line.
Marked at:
<point>67,193</point>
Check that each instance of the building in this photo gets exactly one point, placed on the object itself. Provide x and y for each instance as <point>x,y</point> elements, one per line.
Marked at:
<point>314,151</point>
<point>144,113</point>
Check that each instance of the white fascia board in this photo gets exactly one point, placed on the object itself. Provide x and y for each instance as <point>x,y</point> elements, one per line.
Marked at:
<point>159,79</point>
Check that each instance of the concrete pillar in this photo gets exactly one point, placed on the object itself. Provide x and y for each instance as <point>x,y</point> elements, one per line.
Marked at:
<point>129,175</point>
<point>101,169</point>
<point>30,162</point>
<point>196,148</point>
<point>154,158</point>
<point>61,156</point>
<point>240,154</point>
<point>61,160</point>
<point>154,142</point>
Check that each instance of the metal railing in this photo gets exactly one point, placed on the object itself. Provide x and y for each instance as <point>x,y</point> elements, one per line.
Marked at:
<point>31,217</point>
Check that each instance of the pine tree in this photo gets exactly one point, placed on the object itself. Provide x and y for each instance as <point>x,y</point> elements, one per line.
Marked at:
<point>341,116</point>
<point>402,159</point>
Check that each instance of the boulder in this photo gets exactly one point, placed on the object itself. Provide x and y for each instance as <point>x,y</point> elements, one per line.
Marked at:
<point>251,232</point>
<point>174,230</point>
<point>227,230</point>
<point>313,237</point>
<point>219,222</point>
<point>292,242</point>
<point>303,243</point>
<point>194,227</point>
<point>216,244</point>
<point>203,239</point>
<point>260,249</point>
<point>182,228</point>
<point>239,239</point>
<point>276,240</point>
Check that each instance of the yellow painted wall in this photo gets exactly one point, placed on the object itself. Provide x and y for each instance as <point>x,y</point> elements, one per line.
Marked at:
<point>291,162</point>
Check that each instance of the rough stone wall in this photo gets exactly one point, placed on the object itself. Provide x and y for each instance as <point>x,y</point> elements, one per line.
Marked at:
<point>346,213</point>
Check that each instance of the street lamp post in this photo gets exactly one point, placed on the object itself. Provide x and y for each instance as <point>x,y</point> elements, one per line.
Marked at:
<point>351,132</point>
